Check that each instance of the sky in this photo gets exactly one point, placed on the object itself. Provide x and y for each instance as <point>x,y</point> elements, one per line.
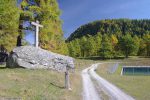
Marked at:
<point>79,12</point>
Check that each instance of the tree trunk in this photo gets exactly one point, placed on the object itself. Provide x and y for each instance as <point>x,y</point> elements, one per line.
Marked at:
<point>126,53</point>
<point>148,49</point>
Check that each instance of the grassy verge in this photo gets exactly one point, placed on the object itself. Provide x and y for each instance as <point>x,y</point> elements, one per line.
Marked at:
<point>136,86</point>
<point>41,84</point>
<point>49,85</point>
<point>36,85</point>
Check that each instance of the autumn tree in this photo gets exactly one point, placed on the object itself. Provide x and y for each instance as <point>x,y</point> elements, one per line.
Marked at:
<point>9,21</point>
<point>48,13</point>
<point>106,47</point>
<point>127,45</point>
<point>142,48</point>
<point>71,49</point>
<point>77,47</point>
<point>137,45</point>
<point>83,46</point>
<point>97,39</point>
<point>146,39</point>
<point>114,43</point>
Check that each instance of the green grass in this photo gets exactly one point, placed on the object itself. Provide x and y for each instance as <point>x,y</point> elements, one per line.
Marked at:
<point>136,86</point>
<point>41,84</point>
<point>31,84</point>
<point>49,85</point>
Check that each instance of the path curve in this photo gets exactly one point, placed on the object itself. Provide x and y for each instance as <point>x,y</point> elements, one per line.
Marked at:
<point>89,91</point>
<point>111,90</point>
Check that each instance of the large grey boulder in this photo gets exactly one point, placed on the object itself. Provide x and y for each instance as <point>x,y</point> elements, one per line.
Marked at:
<point>36,58</point>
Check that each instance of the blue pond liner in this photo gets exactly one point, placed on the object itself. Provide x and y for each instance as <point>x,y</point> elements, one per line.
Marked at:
<point>135,70</point>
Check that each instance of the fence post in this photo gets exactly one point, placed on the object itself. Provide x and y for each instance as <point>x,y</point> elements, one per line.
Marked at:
<point>67,81</point>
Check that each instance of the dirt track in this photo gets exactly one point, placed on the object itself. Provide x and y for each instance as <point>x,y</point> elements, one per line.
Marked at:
<point>90,92</point>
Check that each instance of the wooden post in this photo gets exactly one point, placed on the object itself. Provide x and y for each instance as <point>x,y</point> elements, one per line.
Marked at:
<point>67,81</point>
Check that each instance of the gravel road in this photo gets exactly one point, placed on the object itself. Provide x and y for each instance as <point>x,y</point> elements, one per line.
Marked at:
<point>90,92</point>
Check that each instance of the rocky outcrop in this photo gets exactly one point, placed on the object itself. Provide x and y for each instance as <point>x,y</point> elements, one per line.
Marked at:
<point>36,58</point>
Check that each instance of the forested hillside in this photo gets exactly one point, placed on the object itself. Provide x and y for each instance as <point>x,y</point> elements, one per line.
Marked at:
<point>111,38</point>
